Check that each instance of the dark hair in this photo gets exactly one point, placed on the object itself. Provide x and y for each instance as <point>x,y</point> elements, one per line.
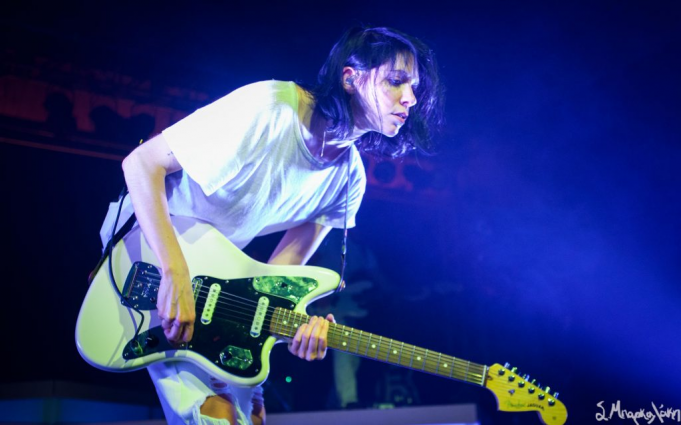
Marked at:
<point>367,48</point>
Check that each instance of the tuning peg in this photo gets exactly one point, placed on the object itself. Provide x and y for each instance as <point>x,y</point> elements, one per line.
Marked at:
<point>507,365</point>
<point>534,381</point>
<point>514,370</point>
<point>555,395</point>
<point>526,377</point>
<point>548,390</point>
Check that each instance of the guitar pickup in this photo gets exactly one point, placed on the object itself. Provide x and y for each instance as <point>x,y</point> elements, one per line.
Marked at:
<point>211,302</point>
<point>259,318</point>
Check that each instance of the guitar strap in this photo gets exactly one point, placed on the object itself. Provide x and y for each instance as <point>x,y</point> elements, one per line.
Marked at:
<point>115,236</point>
<point>344,245</point>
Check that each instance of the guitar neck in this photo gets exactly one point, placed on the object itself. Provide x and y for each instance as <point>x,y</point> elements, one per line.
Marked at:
<point>353,341</point>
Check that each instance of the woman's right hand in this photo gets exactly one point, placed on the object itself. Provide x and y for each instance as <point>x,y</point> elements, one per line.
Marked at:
<point>176,306</point>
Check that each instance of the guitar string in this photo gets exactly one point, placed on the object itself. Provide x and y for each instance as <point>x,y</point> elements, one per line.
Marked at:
<point>247,317</point>
<point>335,331</point>
<point>462,370</point>
<point>304,319</point>
<point>429,363</point>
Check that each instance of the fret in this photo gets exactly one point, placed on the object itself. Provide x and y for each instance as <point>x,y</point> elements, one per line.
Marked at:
<point>418,358</point>
<point>338,334</point>
<point>281,325</point>
<point>376,346</point>
<point>344,343</point>
<point>292,322</point>
<point>446,365</point>
<point>298,319</point>
<point>286,322</point>
<point>393,351</point>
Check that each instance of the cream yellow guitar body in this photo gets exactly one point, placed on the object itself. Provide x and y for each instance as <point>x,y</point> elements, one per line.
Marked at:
<point>243,307</point>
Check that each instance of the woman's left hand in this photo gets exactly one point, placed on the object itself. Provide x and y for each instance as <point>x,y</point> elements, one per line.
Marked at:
<point>309,342</point>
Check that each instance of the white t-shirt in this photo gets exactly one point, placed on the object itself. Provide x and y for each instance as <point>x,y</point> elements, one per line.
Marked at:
<point>247,171</point>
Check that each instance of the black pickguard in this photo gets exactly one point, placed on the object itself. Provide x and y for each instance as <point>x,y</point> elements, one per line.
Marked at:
<point>230,328</point>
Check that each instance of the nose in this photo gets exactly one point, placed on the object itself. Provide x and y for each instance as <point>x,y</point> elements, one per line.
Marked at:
<point>408,96</point>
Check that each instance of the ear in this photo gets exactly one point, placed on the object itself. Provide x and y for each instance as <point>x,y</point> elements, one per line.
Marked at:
<point>349,78</point>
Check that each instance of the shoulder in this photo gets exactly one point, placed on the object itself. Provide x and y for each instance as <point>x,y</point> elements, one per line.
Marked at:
<point>256,102</point>
<point>267,93</point>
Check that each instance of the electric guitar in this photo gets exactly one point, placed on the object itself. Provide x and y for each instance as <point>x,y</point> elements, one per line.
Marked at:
<point>244,307</point>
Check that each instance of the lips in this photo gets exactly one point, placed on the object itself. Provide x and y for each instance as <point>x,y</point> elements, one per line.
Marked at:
<point>401,116</point>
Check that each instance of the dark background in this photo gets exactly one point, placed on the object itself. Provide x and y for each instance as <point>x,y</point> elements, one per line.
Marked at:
<point>545,235</point>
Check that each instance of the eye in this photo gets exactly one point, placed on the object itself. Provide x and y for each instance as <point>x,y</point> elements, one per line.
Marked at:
<point>395,82</point>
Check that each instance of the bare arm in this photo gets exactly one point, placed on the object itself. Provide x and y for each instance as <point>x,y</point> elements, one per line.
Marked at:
<point>145,170</point>
<point>299,243</point>
<point>296,247</point>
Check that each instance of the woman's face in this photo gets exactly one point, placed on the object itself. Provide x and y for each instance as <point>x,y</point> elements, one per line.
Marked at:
<point>383,97</point>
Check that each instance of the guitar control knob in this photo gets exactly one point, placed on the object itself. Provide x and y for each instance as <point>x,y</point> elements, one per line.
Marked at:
<point>151,341</point>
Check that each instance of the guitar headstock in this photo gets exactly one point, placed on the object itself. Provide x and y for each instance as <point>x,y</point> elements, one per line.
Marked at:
<point>515,393</point>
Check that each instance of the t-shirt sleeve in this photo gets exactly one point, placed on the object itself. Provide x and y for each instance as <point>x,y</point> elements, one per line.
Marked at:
<point>212,143</point>
<point>334,216</point>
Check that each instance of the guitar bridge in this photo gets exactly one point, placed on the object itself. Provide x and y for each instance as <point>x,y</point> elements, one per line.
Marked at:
<point>141,286</point>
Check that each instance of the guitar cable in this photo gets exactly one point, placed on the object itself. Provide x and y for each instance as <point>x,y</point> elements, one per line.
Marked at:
<point>136,346</point>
